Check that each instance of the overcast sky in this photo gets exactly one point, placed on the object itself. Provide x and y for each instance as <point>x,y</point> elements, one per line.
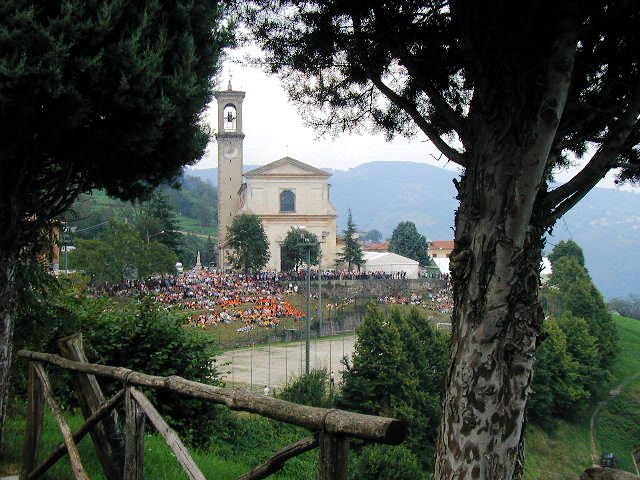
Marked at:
<point>274,129</point>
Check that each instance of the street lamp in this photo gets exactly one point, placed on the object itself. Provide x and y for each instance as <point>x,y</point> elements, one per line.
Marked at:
<point>307,244</point>
<point>153,235</point>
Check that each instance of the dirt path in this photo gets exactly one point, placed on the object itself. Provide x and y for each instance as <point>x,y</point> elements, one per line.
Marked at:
<point>275,365</point>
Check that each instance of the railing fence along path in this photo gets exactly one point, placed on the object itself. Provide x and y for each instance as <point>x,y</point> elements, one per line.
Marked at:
<point>331,428</point>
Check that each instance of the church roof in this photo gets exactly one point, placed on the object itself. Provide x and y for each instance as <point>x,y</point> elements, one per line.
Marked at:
<point>287,166</point>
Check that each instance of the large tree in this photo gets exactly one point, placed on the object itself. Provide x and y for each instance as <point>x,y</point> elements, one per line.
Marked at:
<point>352,251</point>
<point>510,92</point>
<point>249,243</point>
<point>104,94</point>
<point>295,246</point>
<point>407,241</point>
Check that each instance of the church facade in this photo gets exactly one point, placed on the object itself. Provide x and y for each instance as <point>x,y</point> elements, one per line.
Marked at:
<point>285,194</point>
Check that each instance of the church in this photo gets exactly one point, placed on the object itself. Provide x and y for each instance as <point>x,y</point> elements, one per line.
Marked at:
<point>284,194</point>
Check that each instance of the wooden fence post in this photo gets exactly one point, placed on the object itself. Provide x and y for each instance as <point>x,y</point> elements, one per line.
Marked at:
<point>134,445</point>
<point>35,410</point>
<point>72,449</point>
<point>106,435</point>
<point>334,456</point>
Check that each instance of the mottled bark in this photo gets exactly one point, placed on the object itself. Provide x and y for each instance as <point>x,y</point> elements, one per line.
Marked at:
<point>8,265</point>
<point>496,321</point>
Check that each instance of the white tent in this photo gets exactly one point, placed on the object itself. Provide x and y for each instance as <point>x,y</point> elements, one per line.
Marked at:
<point>442,264</point>
<point>388,262</point>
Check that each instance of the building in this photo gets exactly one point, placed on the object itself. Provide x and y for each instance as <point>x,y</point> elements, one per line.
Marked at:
<point>286,193</point>
<point>376,247</point>
<point>440,248</point>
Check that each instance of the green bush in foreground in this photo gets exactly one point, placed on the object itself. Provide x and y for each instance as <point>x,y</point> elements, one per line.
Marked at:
<point>152,340</point>
<point>309,389</point>
<point>385,462</point>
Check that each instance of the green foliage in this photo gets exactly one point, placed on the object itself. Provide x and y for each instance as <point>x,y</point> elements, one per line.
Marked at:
<point>567,248</point>
<point>295,247</point>
<point>571,289</point>
<point>249,243</point>
<point>192,244</point>
<point>155,220</point>
<point>561,385</point>
<point>352,252</point>
<point>108,95</point>
<point>154,341</point>
<point>120,253</point>
<point>580,344</point>
<point>309,389</point>
<point>194,198</point>
<point>398,370</point>
<point>385,462</point>
<point>408,242</point>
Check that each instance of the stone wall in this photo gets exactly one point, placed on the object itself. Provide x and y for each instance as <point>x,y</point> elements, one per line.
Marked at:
<point>374,287</point>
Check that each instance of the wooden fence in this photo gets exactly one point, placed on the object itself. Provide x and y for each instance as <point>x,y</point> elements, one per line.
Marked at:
<point>331,428</point>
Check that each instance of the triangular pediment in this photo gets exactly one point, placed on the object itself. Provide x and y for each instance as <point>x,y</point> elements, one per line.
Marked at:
<point>286,167</point>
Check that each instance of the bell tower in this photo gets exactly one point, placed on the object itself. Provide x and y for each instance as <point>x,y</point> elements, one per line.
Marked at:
<point>230,137</point>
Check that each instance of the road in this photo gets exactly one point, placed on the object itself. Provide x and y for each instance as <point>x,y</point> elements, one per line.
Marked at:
<point>276,365</point>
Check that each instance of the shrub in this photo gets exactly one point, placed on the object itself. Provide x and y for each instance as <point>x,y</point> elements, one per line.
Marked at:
<point>385,462</point>
<point>309,389</point>
<point>153,341</point>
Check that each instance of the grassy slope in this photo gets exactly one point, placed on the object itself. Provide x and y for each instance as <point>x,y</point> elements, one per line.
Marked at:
<point>566,451</point>
<point>185,224</point>
<point>618,425</point>
<point>252,441</point>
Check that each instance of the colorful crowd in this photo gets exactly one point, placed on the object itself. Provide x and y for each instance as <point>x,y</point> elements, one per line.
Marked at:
<point>251,300</point>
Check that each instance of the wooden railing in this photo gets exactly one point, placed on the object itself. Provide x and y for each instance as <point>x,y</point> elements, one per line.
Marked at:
<point>331,428</point>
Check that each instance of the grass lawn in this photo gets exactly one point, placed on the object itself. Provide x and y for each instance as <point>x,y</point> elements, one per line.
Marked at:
<point>618,425</point>
<point>242,444</point>
<point>566,452</point>
<point>559,455</point>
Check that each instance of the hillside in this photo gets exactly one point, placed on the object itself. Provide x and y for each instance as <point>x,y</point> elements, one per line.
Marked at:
<point>606,223</point>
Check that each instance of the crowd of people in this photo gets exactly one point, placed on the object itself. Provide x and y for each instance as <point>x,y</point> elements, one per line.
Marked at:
<point>300,275</point>
<point>251,301</point>
<point>441,301</point>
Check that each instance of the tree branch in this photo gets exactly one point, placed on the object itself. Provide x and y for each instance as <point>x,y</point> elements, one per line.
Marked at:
<point>403,103</point>
<point>563,198</point>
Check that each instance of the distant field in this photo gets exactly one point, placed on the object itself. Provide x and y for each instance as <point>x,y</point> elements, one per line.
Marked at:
<point>192,225</point>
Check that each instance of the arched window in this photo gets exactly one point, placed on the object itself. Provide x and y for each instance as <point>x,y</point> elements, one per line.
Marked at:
<point>287,201</point>
<point>229,118</point>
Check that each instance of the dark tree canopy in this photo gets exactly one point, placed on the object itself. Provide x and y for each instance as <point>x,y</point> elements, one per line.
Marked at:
<point>99,95</point>
<point>105,94</point>
<point>408,242</point>
<point>295,246</point>
<point>249,243</point>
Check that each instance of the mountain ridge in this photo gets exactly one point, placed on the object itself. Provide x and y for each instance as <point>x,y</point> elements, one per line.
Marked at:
<point>606,223</point>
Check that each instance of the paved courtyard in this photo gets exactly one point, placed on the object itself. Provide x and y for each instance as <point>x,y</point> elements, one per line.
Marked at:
<point>276,365</point>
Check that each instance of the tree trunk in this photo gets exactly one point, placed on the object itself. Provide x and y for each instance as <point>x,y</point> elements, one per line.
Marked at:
<point>8,265</point>
<point>497,318</point>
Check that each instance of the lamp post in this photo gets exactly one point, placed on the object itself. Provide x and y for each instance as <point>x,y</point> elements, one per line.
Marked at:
<point>307,244</point>
<point>149,236</point>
